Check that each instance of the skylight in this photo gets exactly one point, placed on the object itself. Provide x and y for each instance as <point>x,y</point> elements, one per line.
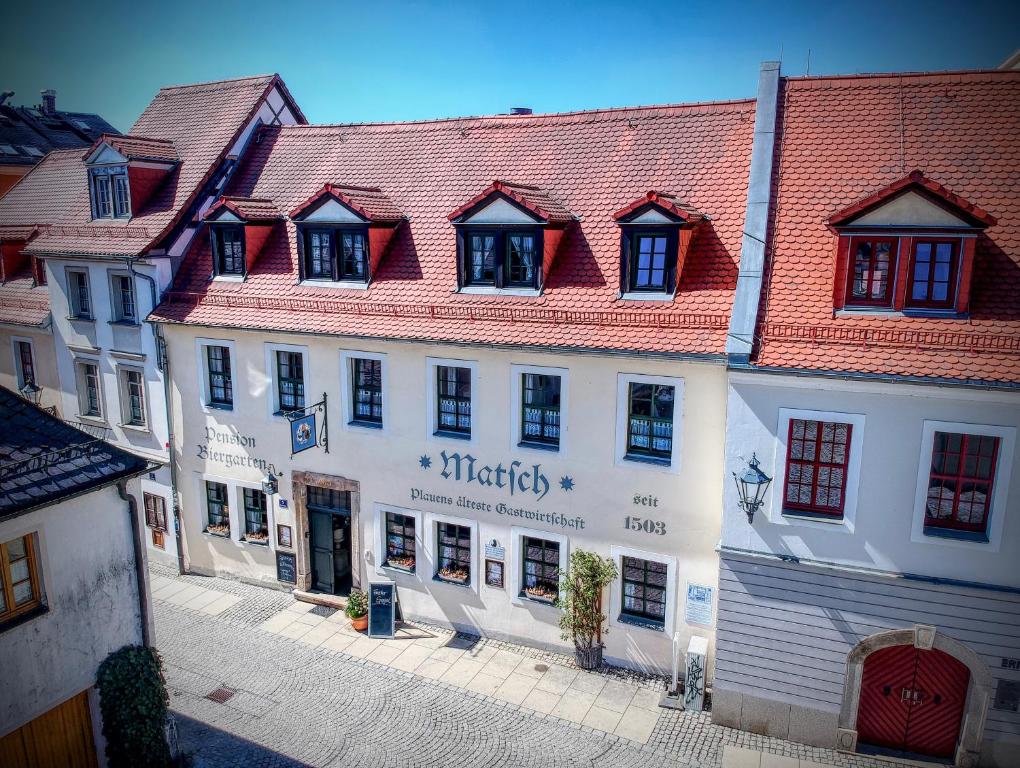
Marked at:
<point>7,149</point>
<point>33,151</point>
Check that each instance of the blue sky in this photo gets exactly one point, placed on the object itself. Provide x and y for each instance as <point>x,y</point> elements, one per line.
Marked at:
<point>347,61</point>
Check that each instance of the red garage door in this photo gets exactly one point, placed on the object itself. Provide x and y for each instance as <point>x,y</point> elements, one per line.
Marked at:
<point>912,700</point>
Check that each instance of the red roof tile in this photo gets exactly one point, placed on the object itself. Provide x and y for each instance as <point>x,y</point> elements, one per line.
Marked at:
<point>200,121</point>
<point>138,147</point>
<point>670,203</point>
<point>959,128</point>
<point>537,201</point>
<point>368,202</point>
<point>592,162</point>
<point>22,302</point>
<point>246,208</point>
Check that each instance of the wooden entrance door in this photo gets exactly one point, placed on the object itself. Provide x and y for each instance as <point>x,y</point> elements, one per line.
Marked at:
<point>912,700</point>
<point>321,524</point>
<point>61,738</point>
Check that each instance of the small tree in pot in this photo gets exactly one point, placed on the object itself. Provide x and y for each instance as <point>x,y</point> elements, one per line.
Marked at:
<point>581,600</point>
<point>357,610</point>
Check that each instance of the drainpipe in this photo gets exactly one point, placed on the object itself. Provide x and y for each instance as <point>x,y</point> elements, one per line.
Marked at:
<point>136,543</point>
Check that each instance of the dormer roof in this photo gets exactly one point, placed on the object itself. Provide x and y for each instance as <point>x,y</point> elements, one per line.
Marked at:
<point>918,184</point>
<point>133,148</point>
<point>670,205</point>
<point>534,200</point>
<point>248,210</point>
<point>369,203</point>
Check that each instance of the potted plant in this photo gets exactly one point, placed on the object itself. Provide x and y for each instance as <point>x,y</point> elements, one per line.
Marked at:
<point>357,610</point>
<point>454,574</point>
<point>581,601</point>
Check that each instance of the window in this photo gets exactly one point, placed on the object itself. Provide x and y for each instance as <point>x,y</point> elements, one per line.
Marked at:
<point>218,509</point>
<point>327,499</point>
<point>453,563</point>
<point>933,273</point>
<point>155,511</point>
<point>221,392</point>
<point>540,577</point>
<point>110,192</point>
<point>133,398</point>
<point>649,271</point>
<point>367,406</point>
<point>353,260</point>
<point>319,255</point>
<point>400,549</point>
<point>540,409</point>
<point>501,258</point>
<point>89,398</point>
<point>643,596</point>
<point>817,460</point>
<point>123,288</point>
<point>25,364</point>
<point>453,388</point>
<point>20,588</point>
<point>228,250</point>
<point>650,421</point>
<point>872,267</point>
<point>78,295</point>
<point>256,522</point>
<point>336,254</point>
<point>960,482</point>
<point>290,381</point>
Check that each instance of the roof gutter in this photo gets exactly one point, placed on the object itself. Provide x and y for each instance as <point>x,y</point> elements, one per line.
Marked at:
<point>744,319</point>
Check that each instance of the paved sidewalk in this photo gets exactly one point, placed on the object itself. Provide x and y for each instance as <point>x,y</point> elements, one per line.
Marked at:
<point>304,689</point>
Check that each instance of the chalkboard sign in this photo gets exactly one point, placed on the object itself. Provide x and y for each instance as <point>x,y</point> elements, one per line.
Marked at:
<point>286,567</point>
<point>381,617</point>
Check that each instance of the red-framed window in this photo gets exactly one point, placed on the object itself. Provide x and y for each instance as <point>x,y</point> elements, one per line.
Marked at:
<point>872,265</point>
<point>934,271</point>
<point>817,456</point>
<point>960,481</point>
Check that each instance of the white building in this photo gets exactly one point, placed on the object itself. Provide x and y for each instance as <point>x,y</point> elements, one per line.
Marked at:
<point>92,238</point>
<point>72,583</point>
<point>873,602</point>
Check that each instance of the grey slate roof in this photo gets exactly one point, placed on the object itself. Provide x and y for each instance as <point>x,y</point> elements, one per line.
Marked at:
<point>44,460</point>
<point>32,133</point>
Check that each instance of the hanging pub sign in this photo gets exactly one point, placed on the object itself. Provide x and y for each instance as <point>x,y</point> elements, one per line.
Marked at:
<point>305,432</point>
<point>381,609</point>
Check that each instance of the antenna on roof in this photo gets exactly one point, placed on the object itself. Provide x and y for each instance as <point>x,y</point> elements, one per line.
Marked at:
<point>808,70</point>
<point>780,51</point>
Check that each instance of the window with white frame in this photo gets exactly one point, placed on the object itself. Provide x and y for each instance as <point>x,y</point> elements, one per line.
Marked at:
<point>539,396</point>
<point>644,593</point>
<point>90,394</point>
<point>648,419</point>
<point>366,391</point>
<point>451,397</point>
<point>287,369</point>
<point>132,393</point>
<point>217,509</point>
<point>79,298</point>
<point>538,560</point>
<point>24,362</point>
<point>256,516</point>
<point>220,378</point>
<point>400,541</point>
<point>122,288</point>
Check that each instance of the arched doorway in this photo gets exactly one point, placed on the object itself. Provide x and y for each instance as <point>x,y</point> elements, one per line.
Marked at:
<point>912,700</point>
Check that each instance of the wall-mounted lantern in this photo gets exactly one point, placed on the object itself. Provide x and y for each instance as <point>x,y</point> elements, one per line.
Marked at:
<point>270,485</point>
<point>751,487</point>
<point>31,392</point>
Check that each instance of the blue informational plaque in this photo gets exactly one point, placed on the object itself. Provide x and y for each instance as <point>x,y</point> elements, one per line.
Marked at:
<point>302,433</point>
<point>381,615</point>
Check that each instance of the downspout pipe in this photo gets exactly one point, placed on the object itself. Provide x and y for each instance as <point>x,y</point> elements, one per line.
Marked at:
<point>136,544</point>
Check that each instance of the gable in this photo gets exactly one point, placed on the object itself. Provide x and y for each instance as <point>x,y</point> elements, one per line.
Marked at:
<point>224,215</point>
<point>333,212</point>
<point>500,211</point>
<point>104,154</point>
<point>912,210</point>
<point>652,216</point>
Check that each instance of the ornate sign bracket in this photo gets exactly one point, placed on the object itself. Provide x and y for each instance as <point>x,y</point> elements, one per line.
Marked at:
<point>304,431</point>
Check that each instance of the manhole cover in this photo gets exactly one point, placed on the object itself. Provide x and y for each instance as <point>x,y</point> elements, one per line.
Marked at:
<point>541,667</point>
<point>221,695</point>
<point>323,610</point>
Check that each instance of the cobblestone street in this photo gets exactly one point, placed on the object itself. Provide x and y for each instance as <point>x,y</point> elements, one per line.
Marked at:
<point>290,702</point>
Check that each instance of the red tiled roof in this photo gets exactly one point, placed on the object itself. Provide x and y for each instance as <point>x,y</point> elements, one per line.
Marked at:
<point>16,233</point>
<point>201,121</point>
<point>23,303</point>
<point>536,200</point>
<point>664,200</point>
<point>959,128</point>
<point>247,208</point>
<point>915,180</point>
<point>138,147</point>
<point>593,162</point>
<point>368,202</point>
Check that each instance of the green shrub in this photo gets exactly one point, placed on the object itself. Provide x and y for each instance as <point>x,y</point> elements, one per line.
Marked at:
<point>357,604</point>
<point>133,700</point>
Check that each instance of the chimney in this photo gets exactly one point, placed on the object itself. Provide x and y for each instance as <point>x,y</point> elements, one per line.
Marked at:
<point>49,101</point>
<point>520,110</point>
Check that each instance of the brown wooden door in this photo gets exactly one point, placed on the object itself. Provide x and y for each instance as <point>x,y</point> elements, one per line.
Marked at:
<point>61,738</point>
<point>912,700</point>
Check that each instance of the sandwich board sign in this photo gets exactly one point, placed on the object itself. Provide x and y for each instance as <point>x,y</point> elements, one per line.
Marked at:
<point>382,600</point>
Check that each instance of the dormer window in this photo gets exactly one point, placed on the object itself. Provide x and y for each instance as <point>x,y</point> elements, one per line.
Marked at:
<point>507,237</point>
<point>655,232</point>
<point>907,248</point>
<point>228,249</point>
<point>343,232</point>
<point>111,198</point>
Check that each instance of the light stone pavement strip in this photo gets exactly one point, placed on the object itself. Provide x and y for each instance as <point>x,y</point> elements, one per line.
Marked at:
<point>311,691</point>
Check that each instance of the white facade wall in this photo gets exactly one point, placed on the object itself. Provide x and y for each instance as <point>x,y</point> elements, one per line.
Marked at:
<point>43,355</point>
<point>682,501</point>
<point>87,568</point>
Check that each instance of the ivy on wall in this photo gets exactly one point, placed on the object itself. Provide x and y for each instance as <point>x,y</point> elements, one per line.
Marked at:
<point>133,701</point>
